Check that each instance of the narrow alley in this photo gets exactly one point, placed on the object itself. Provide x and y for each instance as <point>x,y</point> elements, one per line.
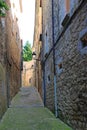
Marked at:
<point>43,64</point>
<point>27,112</point>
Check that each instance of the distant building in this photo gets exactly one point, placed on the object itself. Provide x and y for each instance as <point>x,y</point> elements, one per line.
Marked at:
<point>64,58</point>
<point>10,54</point>
<point>28,74</point>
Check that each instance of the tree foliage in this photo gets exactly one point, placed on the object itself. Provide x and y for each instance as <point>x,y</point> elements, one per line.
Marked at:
<point>27,52</point>
<point>3,8</point>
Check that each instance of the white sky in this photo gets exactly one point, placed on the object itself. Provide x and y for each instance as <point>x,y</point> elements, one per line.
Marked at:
<point>28,20</point>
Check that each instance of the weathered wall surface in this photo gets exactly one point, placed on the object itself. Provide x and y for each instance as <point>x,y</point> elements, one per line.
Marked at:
<point>3,89</point>
<point>10,59</point>
<point>13,51</point>
<point>71,62</point>
<point>49,81</point>
<point>37,45</point>
<point>72,81</point>
<point>46,46</point>
<point>28,74</point>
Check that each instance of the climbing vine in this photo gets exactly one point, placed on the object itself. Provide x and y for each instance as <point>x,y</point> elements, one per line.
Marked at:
<point>3,8</point>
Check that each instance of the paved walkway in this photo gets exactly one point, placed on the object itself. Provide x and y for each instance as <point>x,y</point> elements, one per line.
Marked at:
<point>27,112</point>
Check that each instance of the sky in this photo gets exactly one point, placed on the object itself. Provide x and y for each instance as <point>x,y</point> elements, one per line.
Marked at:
<point>28,20</point>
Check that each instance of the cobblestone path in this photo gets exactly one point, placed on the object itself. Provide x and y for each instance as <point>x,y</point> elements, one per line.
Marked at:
<point>27,112</point>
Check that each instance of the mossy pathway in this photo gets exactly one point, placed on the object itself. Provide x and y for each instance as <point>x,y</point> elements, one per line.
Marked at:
<point>28,113</point>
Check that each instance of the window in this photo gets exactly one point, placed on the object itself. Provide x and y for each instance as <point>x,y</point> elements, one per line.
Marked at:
<point>32,66</point>
<point>40,39</point>
<point>48,78</point>
<point>59,65</point>
<point>30,80</point>
<point>16,19</point>
<point>84,40</point>
<point>40,3</point>
<point>82,45</point>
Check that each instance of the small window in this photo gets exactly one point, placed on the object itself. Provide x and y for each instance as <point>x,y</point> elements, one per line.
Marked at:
<point>84,40</point>
<point>40,39</point>
<point>16,19</point>
<point>82,45</point>
<point>59,65</point>
<point>30,80</point>
<point>40,3</point>
<point>32,66</point>
<point>48,78</point>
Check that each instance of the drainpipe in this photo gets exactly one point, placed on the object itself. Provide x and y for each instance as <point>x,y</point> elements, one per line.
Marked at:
<point>55,87</point>
<point>43,68</point>
<point>44,86</point>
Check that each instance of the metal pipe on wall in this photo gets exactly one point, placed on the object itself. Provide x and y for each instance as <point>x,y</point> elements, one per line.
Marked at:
<point>55,87</point>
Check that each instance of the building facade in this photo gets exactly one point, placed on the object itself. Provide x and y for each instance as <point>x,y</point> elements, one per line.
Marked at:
<point>37,45</point>
<point>10,54</point>
<point>64,59</point>
<point>3,86</point>
<point>28,74</point>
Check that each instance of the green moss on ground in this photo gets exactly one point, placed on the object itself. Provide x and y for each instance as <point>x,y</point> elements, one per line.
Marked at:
<point>22,116</point>
<point>31,119</point>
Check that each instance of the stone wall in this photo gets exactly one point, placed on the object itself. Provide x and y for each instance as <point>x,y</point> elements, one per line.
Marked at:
<point>13,51</point>
<point>46,47</point>
<point>71,62</point>
<point>37,45</point>
<point>28,74</point>
<point>10,59</point>
<point>49,81</point>
<point>72,80</point>
<point>3,86</point>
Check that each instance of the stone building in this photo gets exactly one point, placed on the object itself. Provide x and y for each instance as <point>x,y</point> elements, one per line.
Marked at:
<point>37,45</point>
<point>28,74</point>
<point>3,86</point>
<point>10,54</point>
<point>64,59</point>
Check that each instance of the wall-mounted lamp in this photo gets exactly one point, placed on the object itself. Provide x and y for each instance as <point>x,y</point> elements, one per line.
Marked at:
<point>34,55</point>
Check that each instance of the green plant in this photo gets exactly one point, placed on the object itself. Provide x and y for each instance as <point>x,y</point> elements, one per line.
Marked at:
<point>3,8</point>
<point>27,52</point>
